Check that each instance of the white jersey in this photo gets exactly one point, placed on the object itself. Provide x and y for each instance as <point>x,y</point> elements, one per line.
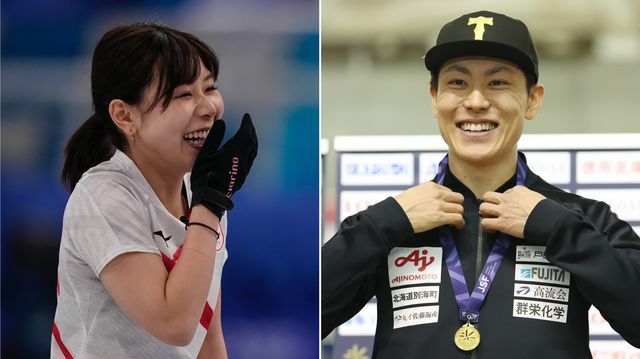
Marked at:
<point>113,210</point>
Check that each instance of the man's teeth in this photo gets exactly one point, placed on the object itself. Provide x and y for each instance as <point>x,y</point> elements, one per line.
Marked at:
<point>477,127</point>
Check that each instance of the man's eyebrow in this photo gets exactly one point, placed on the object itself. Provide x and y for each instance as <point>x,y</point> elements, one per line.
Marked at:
<point>458,68</point>
<point>496,69</point>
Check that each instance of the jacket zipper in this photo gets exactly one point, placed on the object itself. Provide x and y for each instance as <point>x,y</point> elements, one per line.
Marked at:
<point>479,253</point>
<point>479,250</point>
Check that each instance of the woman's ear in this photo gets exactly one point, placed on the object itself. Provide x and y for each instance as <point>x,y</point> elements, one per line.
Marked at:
<point>124,116</point>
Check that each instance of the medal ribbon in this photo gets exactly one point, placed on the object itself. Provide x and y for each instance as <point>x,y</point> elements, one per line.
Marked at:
<point>470,304</point>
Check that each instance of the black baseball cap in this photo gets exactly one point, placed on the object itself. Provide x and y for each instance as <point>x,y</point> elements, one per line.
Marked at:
<point>485,33</point>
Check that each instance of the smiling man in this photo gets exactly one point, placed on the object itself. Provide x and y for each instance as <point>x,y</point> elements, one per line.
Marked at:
<point>488,260</point>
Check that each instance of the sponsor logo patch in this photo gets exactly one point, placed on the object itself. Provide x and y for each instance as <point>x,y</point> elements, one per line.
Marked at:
<point>530,309</point>
<point>415,295</point>
<point>541,292</point>
<point>531,254</point>
<point>161,235</point>
<point>414,265</point>
<point>542,274</point>
<point>415,316</point>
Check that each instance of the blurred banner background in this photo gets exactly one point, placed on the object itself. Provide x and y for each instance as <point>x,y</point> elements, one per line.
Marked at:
<point>269,54</point>
<point>374,81</point>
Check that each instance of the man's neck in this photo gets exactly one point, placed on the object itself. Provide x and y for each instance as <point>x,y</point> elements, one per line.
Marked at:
<point>482,177</point>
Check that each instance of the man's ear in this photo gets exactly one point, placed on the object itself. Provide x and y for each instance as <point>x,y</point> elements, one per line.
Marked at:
<point>434,96</point>
<point>123,116</point>
<point>534,102</point>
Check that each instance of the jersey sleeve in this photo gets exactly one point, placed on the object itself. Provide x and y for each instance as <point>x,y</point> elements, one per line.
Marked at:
<point>350,259</point>
<point>600,251</point>
<point>106,220</point>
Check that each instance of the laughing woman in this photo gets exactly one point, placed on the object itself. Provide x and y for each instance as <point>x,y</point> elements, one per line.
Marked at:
<point>143,243</point>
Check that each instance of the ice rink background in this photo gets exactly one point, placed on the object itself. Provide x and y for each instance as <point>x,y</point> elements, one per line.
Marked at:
<point>269,55</point>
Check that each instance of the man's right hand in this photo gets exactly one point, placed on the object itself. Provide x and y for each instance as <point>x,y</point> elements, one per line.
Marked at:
<point>430,205</point>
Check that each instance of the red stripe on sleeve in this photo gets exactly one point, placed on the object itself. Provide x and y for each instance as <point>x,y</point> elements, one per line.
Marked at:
<point>207,315</point>
<point>168,262</point>
<point>176,254</point>
<point>63,348</point>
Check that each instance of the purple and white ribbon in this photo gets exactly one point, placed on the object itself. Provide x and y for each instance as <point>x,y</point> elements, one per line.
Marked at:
<point>470,304</point>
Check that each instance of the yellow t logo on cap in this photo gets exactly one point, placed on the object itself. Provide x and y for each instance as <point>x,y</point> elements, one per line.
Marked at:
<point>480,21</point>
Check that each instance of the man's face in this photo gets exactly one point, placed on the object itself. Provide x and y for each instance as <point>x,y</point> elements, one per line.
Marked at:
<point>481,104</point>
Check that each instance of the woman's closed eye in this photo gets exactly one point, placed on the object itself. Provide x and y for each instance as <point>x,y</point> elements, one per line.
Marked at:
<point>183,94</point>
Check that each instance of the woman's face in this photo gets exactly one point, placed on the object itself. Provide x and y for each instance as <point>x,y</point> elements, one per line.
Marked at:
<point>169,140</point>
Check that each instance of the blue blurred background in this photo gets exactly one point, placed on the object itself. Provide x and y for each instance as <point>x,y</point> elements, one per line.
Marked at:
<point>269,54</point>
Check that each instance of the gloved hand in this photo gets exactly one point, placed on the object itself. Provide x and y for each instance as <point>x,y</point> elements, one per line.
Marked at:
<point>219,173</point>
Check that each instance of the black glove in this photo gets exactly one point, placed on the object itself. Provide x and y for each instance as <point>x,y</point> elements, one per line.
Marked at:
<point>219,173</point>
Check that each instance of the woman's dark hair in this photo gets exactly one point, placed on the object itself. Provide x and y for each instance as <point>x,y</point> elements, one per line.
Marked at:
<point>125,62</point>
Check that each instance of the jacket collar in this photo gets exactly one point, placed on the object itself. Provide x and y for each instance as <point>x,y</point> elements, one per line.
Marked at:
<point>454,184</point>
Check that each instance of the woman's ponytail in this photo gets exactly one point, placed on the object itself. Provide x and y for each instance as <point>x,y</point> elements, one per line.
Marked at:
<point>90,145</point>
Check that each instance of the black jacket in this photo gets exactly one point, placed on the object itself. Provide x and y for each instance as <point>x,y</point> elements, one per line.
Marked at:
<point>582,236</point>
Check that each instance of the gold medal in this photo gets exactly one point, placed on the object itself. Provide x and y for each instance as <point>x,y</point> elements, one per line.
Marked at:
<point>467,337</point>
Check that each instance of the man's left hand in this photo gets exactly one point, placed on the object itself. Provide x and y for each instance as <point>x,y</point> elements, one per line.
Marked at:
<point>508,212</point>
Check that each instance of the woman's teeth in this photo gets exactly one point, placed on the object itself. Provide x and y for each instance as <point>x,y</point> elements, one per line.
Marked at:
<point>196,137</point>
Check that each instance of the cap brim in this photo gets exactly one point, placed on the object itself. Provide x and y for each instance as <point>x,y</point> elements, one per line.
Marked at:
<point>440,54</point>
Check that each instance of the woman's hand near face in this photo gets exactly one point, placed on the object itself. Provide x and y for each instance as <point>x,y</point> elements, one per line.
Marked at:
<point>218,173</point>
